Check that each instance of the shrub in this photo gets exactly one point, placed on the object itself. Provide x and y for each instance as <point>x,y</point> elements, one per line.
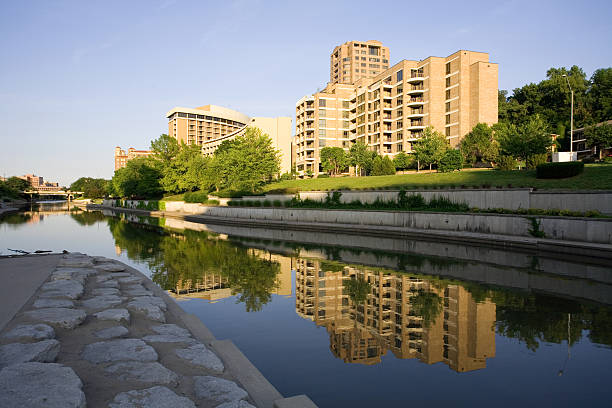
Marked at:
<point>506,163</point>
<point>266,203</point>
<point>535,160</point>
<point>256,203</point>
<point>443,203</point>
<point>323,175</point>
<point>451,161</point>
<point>409,201</point>
<point>559,170</point>
<point>277,203</point>
<point>195,197</point>
<point>333,198</point>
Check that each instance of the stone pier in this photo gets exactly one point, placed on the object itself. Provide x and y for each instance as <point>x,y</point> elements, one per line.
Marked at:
<point>90,331</point>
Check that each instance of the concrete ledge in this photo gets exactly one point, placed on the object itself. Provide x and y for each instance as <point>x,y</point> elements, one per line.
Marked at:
<point>299,401</point>
<point>263,393</point>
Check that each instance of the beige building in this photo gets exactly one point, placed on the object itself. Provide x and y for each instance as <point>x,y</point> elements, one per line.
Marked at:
<point>122,157</point>
<point>388,111</point>
<point>356,60</point>
<point>461,335</point>
<point>210,125</point>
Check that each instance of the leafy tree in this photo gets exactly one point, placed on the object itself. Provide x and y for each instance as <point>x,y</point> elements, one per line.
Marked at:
<point>402,161</point>
<point>377,166</point>
<point>599,137</point>
<point>430,148</point>
<point>165,148</point>
<point>17,184</point>
<point>140,178</point>
<point>91,187</point>
<point>388,167</point>
<point>524,140</point>
<point>382,166</point>
<point>360,157</point>
<point>185,171</point>
<point>333,160</point>
<point>358,289</point>
<point>479,145</point>
<point>244,163</point>
<point>599,95</point>
<point>451,161</point>
<point>428,305</point>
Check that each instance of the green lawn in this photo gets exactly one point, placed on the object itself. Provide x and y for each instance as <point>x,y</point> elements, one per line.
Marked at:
<point>594,177</point>
<point>176,197</point>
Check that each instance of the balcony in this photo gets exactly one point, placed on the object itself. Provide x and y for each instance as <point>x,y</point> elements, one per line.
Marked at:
<point>415,89</point>
<point>416,75</point>
<point>415,113</point>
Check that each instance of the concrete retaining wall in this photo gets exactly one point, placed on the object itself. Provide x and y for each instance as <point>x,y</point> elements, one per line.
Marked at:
<point>511,199</point>
<point>591,230</point>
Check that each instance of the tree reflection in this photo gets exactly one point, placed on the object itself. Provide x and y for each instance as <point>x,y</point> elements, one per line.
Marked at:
<point>87,217</point>
<point>181,259</point>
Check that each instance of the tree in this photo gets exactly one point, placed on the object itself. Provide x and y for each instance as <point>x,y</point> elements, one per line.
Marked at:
<point>523,141</point>
<point>599,95</point>
<point>165,148</point>
<point>599,137</point>
<point>333,160</point>
<point>479,145</point>
<point>377,167</point>
<point>360,157</point>
<point>140,178</point>
<point>451,161</point>
<point>17,184</point>
<point>91,187</point>
<point>430,148</point>
<point>402,161</point>
<point>185,171</point>
<point>245,163</point>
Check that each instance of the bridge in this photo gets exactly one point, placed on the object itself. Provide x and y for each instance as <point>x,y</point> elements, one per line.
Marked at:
<point>68,194</point>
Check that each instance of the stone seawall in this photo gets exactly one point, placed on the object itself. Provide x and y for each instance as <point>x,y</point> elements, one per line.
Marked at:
<point>98,333</point>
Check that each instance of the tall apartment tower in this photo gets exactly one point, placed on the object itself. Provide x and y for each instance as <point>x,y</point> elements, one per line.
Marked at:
<point>388,111</point>
<point>356,60</point>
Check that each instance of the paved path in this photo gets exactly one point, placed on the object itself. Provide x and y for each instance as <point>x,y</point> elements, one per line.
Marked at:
<point>20,278</point>
<point>98,333</point>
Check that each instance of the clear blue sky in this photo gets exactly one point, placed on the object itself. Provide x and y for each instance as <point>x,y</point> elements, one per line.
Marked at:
<point>78,78</point>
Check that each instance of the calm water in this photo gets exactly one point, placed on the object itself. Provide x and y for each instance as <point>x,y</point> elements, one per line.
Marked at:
<point>362,322</point>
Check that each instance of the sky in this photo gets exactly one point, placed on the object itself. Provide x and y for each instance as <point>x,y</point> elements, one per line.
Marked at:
<point>78,78</point>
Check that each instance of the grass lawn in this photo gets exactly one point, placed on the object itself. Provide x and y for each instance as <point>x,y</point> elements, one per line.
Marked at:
<point>176,197</point>
<point>594,177</point>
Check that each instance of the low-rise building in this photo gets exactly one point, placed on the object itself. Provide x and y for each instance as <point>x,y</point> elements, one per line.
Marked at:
<point>122,157</point>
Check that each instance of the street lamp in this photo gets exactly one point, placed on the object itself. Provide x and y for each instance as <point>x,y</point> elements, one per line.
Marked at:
<point>571,120</point>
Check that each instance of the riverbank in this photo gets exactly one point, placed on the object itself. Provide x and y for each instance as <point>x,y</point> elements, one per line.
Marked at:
<point>100,333</point>
<point>579,236</point>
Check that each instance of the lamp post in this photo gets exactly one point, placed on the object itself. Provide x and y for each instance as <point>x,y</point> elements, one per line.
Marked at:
<point>571,120</point>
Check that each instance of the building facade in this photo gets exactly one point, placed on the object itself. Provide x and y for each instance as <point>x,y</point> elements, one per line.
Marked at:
<point>356,60</point>
<point>122,157</point>
<point>38,183</point>
<point>388,111</point>
<point>210,125</point>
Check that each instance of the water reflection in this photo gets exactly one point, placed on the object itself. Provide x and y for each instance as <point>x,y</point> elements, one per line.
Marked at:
<point>411,311</point>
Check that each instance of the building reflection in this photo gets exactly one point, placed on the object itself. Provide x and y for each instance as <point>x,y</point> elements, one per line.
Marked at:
<point>458,332</point>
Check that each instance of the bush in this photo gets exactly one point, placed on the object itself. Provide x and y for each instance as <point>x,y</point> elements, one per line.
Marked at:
<point>506,163</point>
<point>266,203</point>
<point>323,175</point>
<point>535,160</point>
<point>559,170</point>
<point>410,201</point>
<point>451,161</point>
<point>195,197</point>
<point>277,203</point>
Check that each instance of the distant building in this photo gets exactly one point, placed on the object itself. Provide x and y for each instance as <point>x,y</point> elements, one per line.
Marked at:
<point>210,125</point>
<point>38,183</point>
<point>387,107</point>
<point>581,147</point>
<point>121,157</point>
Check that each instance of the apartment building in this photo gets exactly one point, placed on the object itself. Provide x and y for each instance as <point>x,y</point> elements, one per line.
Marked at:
<point>461,336</point>
<point>210,125</point>
<point>38,183</point>
<point>356,60</point>
<point>388,111</point>
<point>122,157</point>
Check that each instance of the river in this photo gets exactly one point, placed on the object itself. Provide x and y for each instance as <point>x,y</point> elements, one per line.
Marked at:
<point>362,322</point>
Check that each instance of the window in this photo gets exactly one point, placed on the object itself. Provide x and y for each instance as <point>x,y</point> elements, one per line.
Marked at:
<point>321,102</point>
<point>345,124</point>
<point>400,147</point>
<point>322,122</point>
<point>345,114</point>
<point>364,64</point>
<point>373,50</point>
<point>448,131</point>
<point>448,82</point>
<point>400,75</point>
<point>448,94</point>
<point>322,142</point>
<point>448,68</point>
<point>448,106</point>
<point>448,119</point>
<point>357,58</point>
<point>322,133</point>
<point>322,113</point>
<point>345,104</point>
